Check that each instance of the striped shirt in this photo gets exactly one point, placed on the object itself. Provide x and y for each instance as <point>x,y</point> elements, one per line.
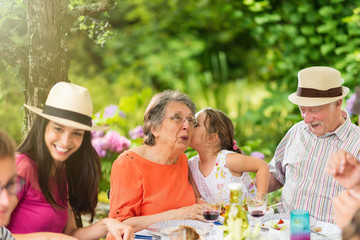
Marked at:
<point>5,234</point>
<point>300,164</point>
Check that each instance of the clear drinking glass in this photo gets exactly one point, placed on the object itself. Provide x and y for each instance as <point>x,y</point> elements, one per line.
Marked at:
<point>257,207</point>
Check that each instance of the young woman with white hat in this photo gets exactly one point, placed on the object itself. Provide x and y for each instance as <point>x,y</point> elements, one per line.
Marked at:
<point>61,170</point>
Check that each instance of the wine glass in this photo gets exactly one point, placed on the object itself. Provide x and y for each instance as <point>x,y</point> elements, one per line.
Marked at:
<point>257,207</point>
<point>211,211</point>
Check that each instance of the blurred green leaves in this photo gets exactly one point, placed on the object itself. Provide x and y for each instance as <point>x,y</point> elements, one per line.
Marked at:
<point>239,56</point>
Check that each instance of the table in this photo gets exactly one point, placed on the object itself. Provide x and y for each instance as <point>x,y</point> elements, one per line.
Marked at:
<point>331,231</point>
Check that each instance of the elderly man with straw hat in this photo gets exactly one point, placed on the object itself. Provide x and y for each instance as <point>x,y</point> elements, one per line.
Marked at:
<point>301,158</point>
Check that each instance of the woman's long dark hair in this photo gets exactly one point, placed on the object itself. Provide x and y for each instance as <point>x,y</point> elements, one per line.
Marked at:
<point>82,168</point>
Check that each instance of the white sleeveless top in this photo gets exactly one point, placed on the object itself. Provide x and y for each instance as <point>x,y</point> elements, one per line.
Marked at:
<point>215,186</point>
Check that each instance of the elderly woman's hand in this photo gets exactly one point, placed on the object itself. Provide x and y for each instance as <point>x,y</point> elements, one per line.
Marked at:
<point>118,230</point>
<point>193,212</point>
<point>345,169</point>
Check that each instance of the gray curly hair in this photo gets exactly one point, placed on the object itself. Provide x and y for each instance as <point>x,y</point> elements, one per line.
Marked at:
<point>155,111</point>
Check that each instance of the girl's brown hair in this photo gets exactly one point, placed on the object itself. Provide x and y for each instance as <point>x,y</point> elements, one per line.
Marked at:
<point>217,122</point>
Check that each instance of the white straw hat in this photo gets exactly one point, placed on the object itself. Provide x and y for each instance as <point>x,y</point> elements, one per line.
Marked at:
<point>70,105</point>
<point>318,86</point>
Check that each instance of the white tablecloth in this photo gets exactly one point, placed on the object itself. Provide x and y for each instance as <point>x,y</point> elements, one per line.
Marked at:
<point>331,232</point>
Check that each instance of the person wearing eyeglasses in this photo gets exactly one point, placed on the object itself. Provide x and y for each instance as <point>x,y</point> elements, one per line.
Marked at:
<point>10,185</point>
<point>8,182</point>
<point>150,183</point>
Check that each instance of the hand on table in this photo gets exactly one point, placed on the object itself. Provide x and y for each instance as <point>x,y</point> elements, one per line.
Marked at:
<point>346,204</point>
<point>193,212</point>
<point>119,230</point>
<point>345,169</point>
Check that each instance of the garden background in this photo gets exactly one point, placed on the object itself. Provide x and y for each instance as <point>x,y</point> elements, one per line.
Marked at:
<point>240,56</point>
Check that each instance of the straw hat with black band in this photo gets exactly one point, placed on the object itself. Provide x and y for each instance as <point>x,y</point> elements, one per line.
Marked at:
<point>70,105</point>
<point>318,86</point>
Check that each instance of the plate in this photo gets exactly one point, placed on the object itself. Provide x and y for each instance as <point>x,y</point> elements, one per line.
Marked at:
<point>166,227</point>
<point>272,219</point>
<point>330,231</point>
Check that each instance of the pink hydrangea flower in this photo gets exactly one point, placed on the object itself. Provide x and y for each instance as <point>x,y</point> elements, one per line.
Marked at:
<point>97,134</point>
<point>116,143</point>
<point>98,144</point>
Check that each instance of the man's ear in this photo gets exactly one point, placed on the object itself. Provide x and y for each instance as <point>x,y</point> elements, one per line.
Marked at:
<point>339,103</point>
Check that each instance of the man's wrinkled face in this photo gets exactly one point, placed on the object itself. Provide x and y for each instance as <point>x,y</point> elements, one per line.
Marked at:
<point>322,119</point>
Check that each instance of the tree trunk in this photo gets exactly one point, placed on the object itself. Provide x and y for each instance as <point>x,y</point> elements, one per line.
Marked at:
<point>48,54</point>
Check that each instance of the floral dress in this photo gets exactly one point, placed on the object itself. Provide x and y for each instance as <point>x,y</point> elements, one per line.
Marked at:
<point>214,187</point>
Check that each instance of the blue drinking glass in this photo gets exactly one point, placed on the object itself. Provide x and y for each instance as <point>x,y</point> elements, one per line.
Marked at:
<point>299,225</point>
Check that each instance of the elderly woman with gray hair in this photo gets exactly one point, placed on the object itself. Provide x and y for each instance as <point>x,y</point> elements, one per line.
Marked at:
<point>150,183</point>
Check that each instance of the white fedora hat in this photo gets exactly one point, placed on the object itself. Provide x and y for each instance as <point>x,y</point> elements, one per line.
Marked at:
<point>318,86</point>
<point>70,105</point>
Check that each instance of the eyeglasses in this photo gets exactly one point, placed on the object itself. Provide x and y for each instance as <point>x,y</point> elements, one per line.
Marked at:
<point>13,186</point>
<point>178,118</point>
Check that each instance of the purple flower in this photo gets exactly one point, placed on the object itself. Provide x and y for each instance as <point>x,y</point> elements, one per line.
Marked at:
<point>116,143</point>
<point>97,134</point>
<point>98,144</point>
<point>350,102</point>
<point>258,155</point>
<point>136,133</point>
<point>110,111</point>
<point>122,114</point>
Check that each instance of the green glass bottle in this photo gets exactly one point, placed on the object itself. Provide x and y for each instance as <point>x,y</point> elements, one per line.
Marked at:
<point>236,222</point>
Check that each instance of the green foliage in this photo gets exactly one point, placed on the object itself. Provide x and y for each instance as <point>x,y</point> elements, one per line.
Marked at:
<point>274,197</point>
<point>11,10</point>
<point>97,28</point>
<point>11,104</point>
<point>241,57</point>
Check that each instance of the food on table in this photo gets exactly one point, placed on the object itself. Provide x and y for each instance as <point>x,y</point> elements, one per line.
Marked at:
<point>316,229</point>
<point>191,233</point>
<point>223,210</point>
<point>280,224</point>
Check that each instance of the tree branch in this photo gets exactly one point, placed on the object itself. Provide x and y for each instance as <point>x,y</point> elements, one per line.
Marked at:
<point>88,10</point>
<point>9,52</point>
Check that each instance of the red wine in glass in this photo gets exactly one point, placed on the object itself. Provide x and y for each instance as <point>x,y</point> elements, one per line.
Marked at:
<point>257,213</point>
<point>211,215</point>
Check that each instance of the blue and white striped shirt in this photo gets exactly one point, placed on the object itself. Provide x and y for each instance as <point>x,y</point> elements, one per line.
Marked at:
<point>300,164</point>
